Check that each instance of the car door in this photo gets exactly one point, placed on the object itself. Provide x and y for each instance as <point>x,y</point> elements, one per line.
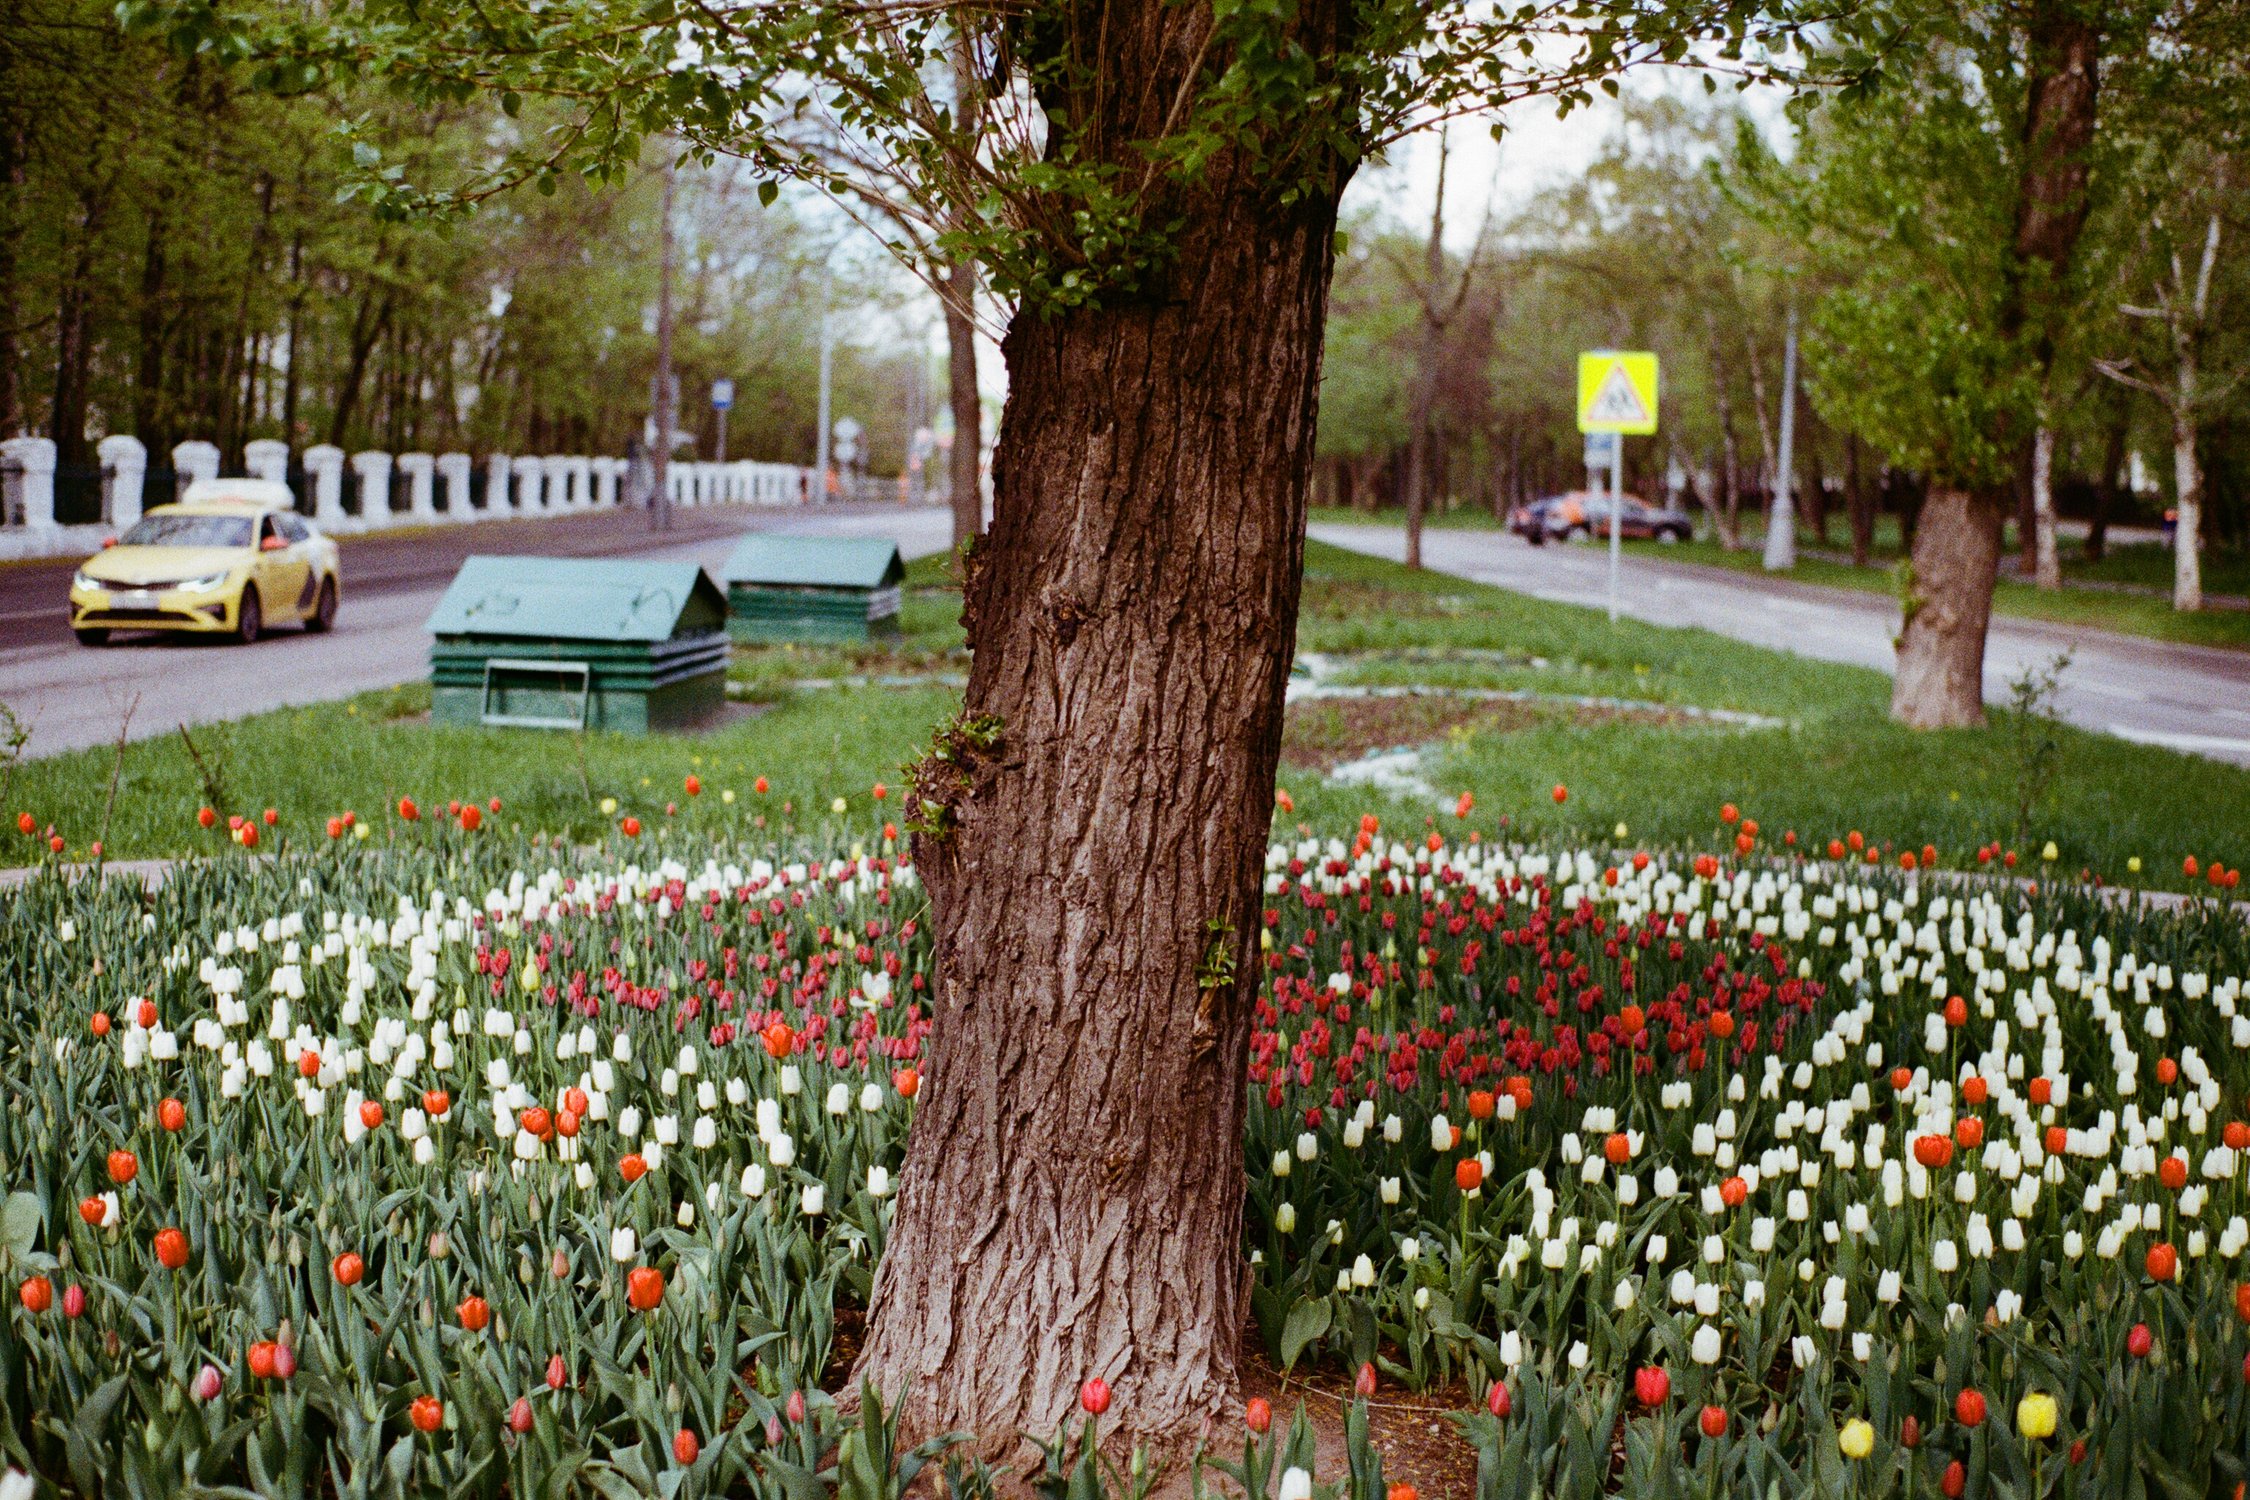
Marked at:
<point>284,573</point>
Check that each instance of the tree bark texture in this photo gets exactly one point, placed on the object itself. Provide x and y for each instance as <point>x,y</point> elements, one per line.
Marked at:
<point>1948,606</point>
<point>1094,823</point>
<point>1940,678</point>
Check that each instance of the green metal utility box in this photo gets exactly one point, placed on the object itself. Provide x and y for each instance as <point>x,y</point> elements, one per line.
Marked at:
<point>813,588</point>
<point>569,643</point>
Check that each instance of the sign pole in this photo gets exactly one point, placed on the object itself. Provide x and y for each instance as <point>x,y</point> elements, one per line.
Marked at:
<point>1616,512</point>
<point>1616,395</point>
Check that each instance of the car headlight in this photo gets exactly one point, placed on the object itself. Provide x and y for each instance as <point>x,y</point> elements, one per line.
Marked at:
<point>203,585</point>
<point>84,580</point>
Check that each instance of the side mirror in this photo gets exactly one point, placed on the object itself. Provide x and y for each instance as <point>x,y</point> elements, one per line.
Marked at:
<point>273,544</point>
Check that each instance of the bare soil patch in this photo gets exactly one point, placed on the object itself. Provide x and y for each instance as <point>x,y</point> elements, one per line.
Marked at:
<point>1322,732</point>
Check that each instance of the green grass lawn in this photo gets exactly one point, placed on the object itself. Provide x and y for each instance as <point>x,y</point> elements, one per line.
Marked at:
<point>2139,566</point>
<point>1828,762</point>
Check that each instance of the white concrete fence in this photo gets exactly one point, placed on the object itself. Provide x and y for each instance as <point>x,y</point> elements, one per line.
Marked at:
<point>407,489</point>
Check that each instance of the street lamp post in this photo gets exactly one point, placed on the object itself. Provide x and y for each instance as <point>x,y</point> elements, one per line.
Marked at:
<point>820,458</point>
<point>660,503</point>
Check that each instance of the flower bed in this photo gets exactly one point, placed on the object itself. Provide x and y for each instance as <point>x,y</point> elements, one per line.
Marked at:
<point>462,1163</point>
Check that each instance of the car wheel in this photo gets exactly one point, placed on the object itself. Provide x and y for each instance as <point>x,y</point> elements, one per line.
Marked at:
<point>92,635</point>
<point>323,617</point>
<point>1577,533</point>
<point>1671,538</point>
<point>250,619</point>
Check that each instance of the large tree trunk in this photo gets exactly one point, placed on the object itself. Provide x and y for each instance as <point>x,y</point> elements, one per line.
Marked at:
<point>1941,650</point>
<point>2110,481</point>
<point>1071,1204</point>
<point>1940,682</point>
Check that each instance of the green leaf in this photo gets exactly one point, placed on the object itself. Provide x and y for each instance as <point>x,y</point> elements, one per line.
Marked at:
<point>19,1223</point>
<point>1308,1320</point>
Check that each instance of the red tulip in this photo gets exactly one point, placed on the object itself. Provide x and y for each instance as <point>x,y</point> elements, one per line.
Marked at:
<point>74,1301</point>
<point>1258,1415</point>
<point>474,1313</point>
<point>348,1268</point>
<point>1363,1384</point>
<point>557,1373</point>
<point>171,1249</point>
<point>1910,1432</point>
<point>2139,1341</point>
<point>260,1360</point>
<point>1094,1395</point>
<point>407,809</point>
<point>632,1167</point>
<point>427,1413</point>
<point>1955,1481</point>
<point>794,1408</point>
<point>172,1115</point>
<point>1651,1385</point>
<point>2163,1262</point>
<point>644,1288</point>
<point>38,1294</point>
<point>371,1114</point>
<point>1714,1423</point>
<point>685,1447</point>
<point>1497,1400</point>
<point>1468,1174</point>
<point>519,1416</point>
<point>1968,1408</point>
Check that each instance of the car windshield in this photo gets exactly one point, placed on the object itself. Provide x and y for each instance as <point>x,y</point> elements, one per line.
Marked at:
<point>183,530</point>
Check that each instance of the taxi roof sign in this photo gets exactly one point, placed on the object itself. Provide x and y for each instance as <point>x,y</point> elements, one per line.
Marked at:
<point>1617,392</point>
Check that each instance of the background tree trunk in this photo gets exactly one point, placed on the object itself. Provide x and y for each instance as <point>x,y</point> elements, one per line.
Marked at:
<point>2187,500</point>
<point>1071,1203</point>
<point>2118,433</point>
<point>1940,682</point>
<point>1860,496</point>
<point>966,459</point>
<point>1941,650</point>
<point>2046,560</point>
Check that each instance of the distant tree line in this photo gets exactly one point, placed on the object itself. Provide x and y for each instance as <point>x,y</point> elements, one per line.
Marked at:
<point>177,260</point>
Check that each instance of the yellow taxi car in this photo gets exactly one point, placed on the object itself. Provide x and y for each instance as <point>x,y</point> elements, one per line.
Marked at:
<point>231,558</point>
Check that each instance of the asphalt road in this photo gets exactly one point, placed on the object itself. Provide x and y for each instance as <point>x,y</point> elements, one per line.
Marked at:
<point>2191,698</point>
<point>72,696</point>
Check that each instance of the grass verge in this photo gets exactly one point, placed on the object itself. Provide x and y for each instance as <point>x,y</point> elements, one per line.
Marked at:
<point>1825,762</point>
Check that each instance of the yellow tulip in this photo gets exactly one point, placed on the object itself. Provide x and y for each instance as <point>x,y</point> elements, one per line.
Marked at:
<point>2035,1415</point>
<point>1857,1439</point>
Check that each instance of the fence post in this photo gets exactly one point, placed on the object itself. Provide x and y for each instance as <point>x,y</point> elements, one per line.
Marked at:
<point>556,468</point>
<point>29,464</point>
<point>498,499</point>
<point>606,471</point>
<point>415,469</point>
<point>324,470</point>
<point>374,470</point>
<point>530,477</point>
<point>192,460</point>
<point>581,471</point>
<point>454,468</point>
<point>267,458</point>
<point>124,475</point>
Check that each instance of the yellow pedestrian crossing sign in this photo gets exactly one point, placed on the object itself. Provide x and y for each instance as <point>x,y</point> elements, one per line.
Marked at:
<point>1617,392</point>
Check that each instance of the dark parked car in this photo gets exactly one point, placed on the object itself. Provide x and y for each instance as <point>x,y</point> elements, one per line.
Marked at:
<point>1581,513</point>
